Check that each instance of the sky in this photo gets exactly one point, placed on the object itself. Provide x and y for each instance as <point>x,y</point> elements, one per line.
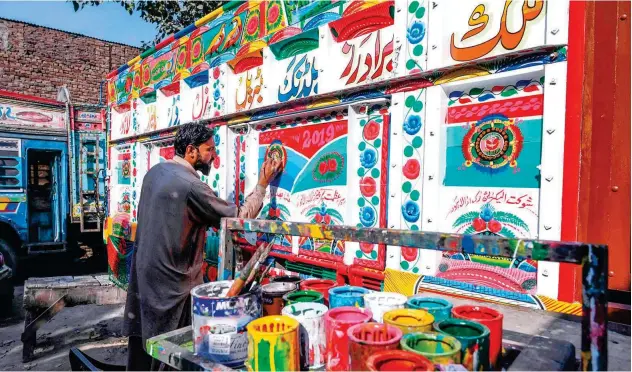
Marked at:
<point>108,21</point>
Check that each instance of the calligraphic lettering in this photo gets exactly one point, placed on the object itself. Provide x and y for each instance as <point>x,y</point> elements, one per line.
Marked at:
<point>200,103</point>
<point>301,79</point>
<point>252,91</point>
<point>367,63</point>
<point>509,40</point>
<point>317,196</point>
<point>485,196</point>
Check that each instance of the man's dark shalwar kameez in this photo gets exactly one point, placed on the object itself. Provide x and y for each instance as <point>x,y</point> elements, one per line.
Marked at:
<point>175,210</point>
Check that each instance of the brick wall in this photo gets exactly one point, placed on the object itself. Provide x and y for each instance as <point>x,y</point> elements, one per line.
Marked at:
<point>37,61</point>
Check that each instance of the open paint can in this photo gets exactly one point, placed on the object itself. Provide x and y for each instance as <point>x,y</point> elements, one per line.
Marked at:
<point>488,317</point>
<point>273,344</point>
<point>219,323</point>
<point>337,323</point>
<point>311,317</point>
<point>319,285</point>
<point>398,360</point>
<point>409,320</point>
<point>439,348</point>
<point>366,339</point>
<point>272,297</point>
<point>286,279</point>
<point>381,302</point>
<point>303,296</point>
<point>439,308</point>
<point>474,339</point>
<point>347,296</point>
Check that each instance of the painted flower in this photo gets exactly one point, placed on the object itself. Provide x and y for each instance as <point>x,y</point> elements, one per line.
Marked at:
<point>412,125</point>
<point>273,13</point>
<point>371,130</point>
<point>410,211</point>
<point>368,158</point>
<point>322,167</point>
<point>216,162</point>
<point>487,213</point>
<point>409,254</point>
<point>367,216</point>
<point>253,24</point>
<point>216,94</point>
<point>216,73</point>
<point>332,165</point>
<point>216,139</point>
<point>478,224</point>
<point>411,169</point>
<point>367,186</point>
<point>416,32</point>
<point>366,248</point>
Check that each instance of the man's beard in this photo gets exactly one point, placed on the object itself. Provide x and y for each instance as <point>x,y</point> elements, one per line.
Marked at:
<point>204,168</point>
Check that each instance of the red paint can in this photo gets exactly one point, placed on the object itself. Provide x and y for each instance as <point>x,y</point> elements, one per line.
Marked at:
<point>368,338</point>
<point>489,317</point>
<point>337,323</point>
<point>319,285</point>
<point>398,360</point>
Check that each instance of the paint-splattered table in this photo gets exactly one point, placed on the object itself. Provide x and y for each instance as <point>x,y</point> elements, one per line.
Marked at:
<point>534,340</point>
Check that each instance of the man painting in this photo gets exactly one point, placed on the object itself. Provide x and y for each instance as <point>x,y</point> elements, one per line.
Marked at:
<point>175,210</point>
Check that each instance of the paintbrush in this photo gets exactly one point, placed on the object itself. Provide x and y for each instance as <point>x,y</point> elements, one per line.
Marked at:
<point>259,278</point>
<point>239,283</point>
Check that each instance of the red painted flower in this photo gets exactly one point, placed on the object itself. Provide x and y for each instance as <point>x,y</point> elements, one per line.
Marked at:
<point>479,224</point>
<point>216,73</point>
<point>366,247</point>
<point>367,186</point>
<point>327,219</point>
<point>273,13</point>
<point>411,169</point>
<point>371,130</point>
<point>216,162</point>
<point>253,25</point>
<point>409,254</point>
<point>318,218</point>
<point>332,165</point>
<point>322,167</point>
<point>494,226</point>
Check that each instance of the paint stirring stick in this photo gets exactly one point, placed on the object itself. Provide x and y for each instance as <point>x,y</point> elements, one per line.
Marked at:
<point>244,275</point>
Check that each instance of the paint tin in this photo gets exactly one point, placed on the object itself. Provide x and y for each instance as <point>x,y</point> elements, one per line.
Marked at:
<point>439,348</point>
<point>337,323</point>
<point>409,320</point>
<point>439,308</point>
<point>311,317</point>
<point>219,323</point>
<point>366,339</point>
<point>347,296</point>
<point>272,297</point>
<point>488,317</point>
<point>381,302</point>
<point>303,296</point>
<point>398,360</point>
<point>474,338</point>
<point>319,285</point>
<point>286,279</point>
<point>273,344</point>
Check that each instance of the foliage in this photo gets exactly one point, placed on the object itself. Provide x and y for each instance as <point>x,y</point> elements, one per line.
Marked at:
<point>169,16</point>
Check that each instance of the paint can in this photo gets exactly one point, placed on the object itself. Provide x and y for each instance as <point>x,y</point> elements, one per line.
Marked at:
<point>303,296</point>
<point>319,285</point>
<point>366,339</point>
<point>219,323</point>
<point>273,344</point>
<point>439,348</point>
<point>337,323</point>
<point>398,360</point>
<point>474,339</point>
<point>488,317</point>
<point>272,297</point>
<point>347,296</point>
<point>409,320</point>
<point>439,308</point>
<point>286,279</point>
<point>381,302</point>
<point>311,317</point>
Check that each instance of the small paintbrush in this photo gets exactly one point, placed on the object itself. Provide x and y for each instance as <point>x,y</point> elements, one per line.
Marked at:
<point>259,278</point>
<point>260,255</point>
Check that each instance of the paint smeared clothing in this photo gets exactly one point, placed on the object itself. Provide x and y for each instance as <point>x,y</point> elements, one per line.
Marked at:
<point>175,210</point>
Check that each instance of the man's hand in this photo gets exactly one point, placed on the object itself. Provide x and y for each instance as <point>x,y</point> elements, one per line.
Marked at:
<point>269,170</point>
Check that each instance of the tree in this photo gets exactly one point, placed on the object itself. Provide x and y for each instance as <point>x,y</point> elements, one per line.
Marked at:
<point>169,16</point>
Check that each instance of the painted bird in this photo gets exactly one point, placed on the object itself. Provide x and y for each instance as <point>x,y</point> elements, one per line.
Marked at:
<point>216,42</point>
<point>234,35</point>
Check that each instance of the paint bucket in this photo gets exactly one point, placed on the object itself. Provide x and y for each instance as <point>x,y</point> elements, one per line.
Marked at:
<point>381,302</point>
<point>474,339</point>
<point>311,316</point>
<point>439,308</point>
<point>488,317</point>
<point>439,348</point>
<point>337,323</point>
<point>303,296</point>
<point>398,360</point>
<point>319,285</point>
<point>347,296</point>
<point>366,339</point>
<point>272,297</point>
<point>286,279</point>
<point>409,320</point>
<point>273,344</point>
<point>219,323</point>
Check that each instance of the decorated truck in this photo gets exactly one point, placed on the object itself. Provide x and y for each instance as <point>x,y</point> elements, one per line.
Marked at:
<point>445,116</point>
<point>52,184</point>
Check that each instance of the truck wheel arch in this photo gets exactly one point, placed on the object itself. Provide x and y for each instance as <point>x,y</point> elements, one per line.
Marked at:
<point>10,242</point>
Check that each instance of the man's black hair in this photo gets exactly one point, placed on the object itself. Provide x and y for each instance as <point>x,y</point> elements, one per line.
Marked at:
<point>191,134</point>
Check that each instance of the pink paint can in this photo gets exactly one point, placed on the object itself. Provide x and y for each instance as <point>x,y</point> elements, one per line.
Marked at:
<point>366,339</point>
<point>337,323</point>
<point>319,285</point>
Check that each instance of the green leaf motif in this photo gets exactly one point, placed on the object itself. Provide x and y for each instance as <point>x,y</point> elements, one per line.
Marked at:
<point>415,270</point>
<point>411,8</point>
<point>420,12</point>
<point>404,265</point>
<point>469,231</point>
<point>509,92</point>
<point>510,219</point>
<point>374,255</point>
<point>358,254</point>
<point>465,218</point>
<point>506,233</point>
<point>476,91</point>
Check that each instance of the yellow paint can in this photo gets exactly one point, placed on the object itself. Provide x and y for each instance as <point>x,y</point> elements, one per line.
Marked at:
<point>273,344</point>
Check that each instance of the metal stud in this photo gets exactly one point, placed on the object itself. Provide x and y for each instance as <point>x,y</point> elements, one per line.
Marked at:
<point>550,131</point>
<point>547,227</point>
<point>553,81</point>
<point>429,220</point>
<point>555,31</point>
<point>549,179</point>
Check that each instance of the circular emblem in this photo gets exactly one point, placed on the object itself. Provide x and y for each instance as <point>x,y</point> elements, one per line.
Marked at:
<point>277,151</point>
<point>493,143</point>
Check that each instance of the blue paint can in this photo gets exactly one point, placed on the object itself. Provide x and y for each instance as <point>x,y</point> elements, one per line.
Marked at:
<point>439,308</point>
<point>347,296</point>
<point>219,322</point>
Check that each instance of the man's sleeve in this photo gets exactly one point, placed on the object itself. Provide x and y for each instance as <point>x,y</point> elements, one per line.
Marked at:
<point>253,203</point>
<point>209,207</point>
